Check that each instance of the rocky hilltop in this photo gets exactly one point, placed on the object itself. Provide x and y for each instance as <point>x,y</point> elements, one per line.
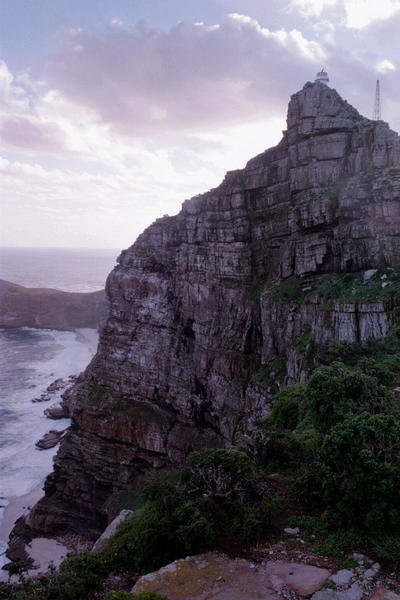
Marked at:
<point>212,309</point>
<point>46,308</point>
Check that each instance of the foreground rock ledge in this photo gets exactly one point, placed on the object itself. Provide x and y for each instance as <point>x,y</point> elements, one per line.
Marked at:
<point>212,575</point>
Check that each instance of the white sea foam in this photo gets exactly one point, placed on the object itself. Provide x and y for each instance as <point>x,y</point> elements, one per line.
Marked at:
<point>40,357</point>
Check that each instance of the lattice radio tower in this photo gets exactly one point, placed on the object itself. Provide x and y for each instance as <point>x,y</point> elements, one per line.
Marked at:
<point>377,103</point>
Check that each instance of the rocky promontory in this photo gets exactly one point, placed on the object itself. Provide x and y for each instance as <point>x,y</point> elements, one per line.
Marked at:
<point>45,308</point>
<point>215,308</point>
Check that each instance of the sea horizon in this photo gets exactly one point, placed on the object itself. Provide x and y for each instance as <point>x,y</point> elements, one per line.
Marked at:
<point>33,358</point>
<point>65,269</point>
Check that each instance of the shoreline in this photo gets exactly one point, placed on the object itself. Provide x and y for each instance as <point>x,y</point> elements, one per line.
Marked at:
<point>42,550</point>
<point>17,507</point>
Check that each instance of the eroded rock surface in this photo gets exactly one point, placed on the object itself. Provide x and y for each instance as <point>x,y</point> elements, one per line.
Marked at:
<point>196,309</point>
<point>50,439</point>
<point>213,575</point>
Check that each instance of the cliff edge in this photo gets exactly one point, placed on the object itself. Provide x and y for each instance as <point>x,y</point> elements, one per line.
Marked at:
<point>215,308</point>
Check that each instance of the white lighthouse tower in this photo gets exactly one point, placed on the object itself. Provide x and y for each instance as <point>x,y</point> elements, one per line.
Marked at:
<point>322,76</point>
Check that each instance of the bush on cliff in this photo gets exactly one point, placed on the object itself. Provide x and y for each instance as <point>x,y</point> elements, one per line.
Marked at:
<point>288,407</point>
<point>215,497</point>
<point>77,578</point>
<point>340,432</point>
<point>360,473</point>
<point>334,392</point>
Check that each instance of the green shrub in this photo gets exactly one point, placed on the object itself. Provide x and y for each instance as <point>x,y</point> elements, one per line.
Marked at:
<point>308,440</point>
<point>81,574</point>
<point>382,367</point>
<point>346,352</point>
<point>336,391</point>
<point>351,287</point>
<point>215,497</point>
<point>360,473</point>
<point>77,578</point>
<point>288,406</point>
<point>146,540</point>
<point>272,448</point>
<point>219,474</point>
<point>386,549</point>
<point>310,524</point>
<point>337,543</point>
<point>290,290</point>
<point>271,374</point>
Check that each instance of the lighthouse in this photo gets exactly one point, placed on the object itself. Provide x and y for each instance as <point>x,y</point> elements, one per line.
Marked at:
<point>322,76</point>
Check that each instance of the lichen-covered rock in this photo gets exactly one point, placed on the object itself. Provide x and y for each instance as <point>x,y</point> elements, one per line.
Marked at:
<point>213,575</point>
<point>195,313</point>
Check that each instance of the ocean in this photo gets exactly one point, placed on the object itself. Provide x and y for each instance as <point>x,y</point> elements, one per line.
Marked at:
<point>67,269</point>
<point>31,359</point>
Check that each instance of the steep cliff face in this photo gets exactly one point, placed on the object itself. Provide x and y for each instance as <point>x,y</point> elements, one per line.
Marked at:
<point>212,308</point>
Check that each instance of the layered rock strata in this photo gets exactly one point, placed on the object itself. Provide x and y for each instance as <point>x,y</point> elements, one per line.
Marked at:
<point>196,310</point>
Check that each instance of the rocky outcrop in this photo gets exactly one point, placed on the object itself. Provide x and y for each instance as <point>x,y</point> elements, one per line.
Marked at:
<point>50,439</point>
<point>45,308</point>
<point>203,302</point>
<point>102,542</point>
<point>212,575</point>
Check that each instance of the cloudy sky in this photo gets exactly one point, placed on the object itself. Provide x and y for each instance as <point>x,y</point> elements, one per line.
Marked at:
<point>114,112</point>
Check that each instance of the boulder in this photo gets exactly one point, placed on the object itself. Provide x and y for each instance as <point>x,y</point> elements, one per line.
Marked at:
<point>56,412</point>
<point>216,576</point>
<point>50,439</point>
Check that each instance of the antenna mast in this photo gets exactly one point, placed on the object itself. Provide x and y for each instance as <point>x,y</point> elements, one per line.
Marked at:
<point>377,104</point>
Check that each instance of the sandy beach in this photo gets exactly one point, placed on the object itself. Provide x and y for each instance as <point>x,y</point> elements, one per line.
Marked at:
<point>18,506</point>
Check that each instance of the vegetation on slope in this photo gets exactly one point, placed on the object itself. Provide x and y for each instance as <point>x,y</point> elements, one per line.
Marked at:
<point>335,442</point>
<point>383,284</point>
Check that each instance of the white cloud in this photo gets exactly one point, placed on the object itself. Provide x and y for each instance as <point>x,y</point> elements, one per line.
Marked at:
<point>312,8</point>
<point>147,82</point>
<point>137,121</point>
<point>117,22</point>
<point>361,13</point>
<point>384,66</point>
<point>98,188</point>
<point>357,13</point>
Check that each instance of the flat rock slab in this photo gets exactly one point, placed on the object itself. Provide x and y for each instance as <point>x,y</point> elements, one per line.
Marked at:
<point>214,576</point>
<point>303,579</point>
<point>50,439</point>
<point>384,594</point>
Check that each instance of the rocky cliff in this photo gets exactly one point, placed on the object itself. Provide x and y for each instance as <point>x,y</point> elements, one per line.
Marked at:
<point>214,308</point>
